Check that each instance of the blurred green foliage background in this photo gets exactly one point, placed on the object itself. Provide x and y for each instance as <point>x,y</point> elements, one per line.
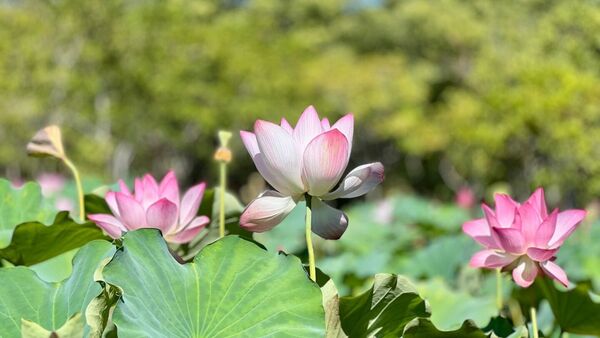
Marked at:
<point>446,93</point>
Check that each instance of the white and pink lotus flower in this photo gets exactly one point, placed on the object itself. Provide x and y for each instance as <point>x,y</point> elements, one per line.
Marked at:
<point>522,238</point>
<point>154,205</point>
<point>308,159</point>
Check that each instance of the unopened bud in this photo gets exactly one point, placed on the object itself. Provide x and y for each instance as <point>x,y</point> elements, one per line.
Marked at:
<point>223,154</point>
<point>224,137</point>
<point>47,142</point>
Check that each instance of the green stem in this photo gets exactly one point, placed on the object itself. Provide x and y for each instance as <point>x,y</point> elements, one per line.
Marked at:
<point>499,301</point>
<point>534,322</point>
<point>75,172</point>
<point>309,245</point>
<point>223,182</point>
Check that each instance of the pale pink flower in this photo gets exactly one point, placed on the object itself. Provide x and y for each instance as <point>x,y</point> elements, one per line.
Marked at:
<point>384,212</point>
<point>17,182</point>
<point>153,205</point>
<point>51,183</point>
<point>465,198</point>
<point>523,238</point>
<point>308,159</point>
<point>64,204</point>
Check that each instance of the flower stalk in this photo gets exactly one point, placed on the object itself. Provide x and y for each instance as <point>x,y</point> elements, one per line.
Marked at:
<point>79,186</point>
<point>223,156</point>
<point>534,323</point>
<point>223,184</point>
<point>499,300</point>
<point>309,245</point>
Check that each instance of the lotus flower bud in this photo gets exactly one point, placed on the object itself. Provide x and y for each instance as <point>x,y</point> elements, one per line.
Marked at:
<point>223,154</point>
<point>47,142</point>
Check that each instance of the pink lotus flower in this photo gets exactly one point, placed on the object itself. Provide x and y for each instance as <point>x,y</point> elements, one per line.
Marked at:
<point>309,159</point>
<point>154,205</point>
<point>523,238</point>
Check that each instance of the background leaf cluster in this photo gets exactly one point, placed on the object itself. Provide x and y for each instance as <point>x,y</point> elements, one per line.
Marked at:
<point>62,277</point>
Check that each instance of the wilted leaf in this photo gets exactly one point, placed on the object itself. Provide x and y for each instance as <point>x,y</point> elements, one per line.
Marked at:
<point>25,296</point>
<point>331,305</point>
<point>47,142</point>
<point>73,328</point>
<point>232,288</point>
<point>98,311</point>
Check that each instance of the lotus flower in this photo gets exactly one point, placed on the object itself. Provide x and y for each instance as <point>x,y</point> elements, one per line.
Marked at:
<point>465,198</point>
<point>523,238</point>
<point>154,205</point>
<point>308,159</point>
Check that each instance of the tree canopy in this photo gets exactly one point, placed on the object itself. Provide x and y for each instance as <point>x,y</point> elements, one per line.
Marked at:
<point>450,92</point>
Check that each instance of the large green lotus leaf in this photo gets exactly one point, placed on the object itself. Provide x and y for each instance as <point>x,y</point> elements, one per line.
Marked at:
<point>424,328</point>
<point>56,268</point>
<point>23,295</point>
<point>34,242</point>
<point>383,310</point>
<point>450,308</point>
<point>233,288</point>
<point>576,310</point>
<point>19,205</point>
